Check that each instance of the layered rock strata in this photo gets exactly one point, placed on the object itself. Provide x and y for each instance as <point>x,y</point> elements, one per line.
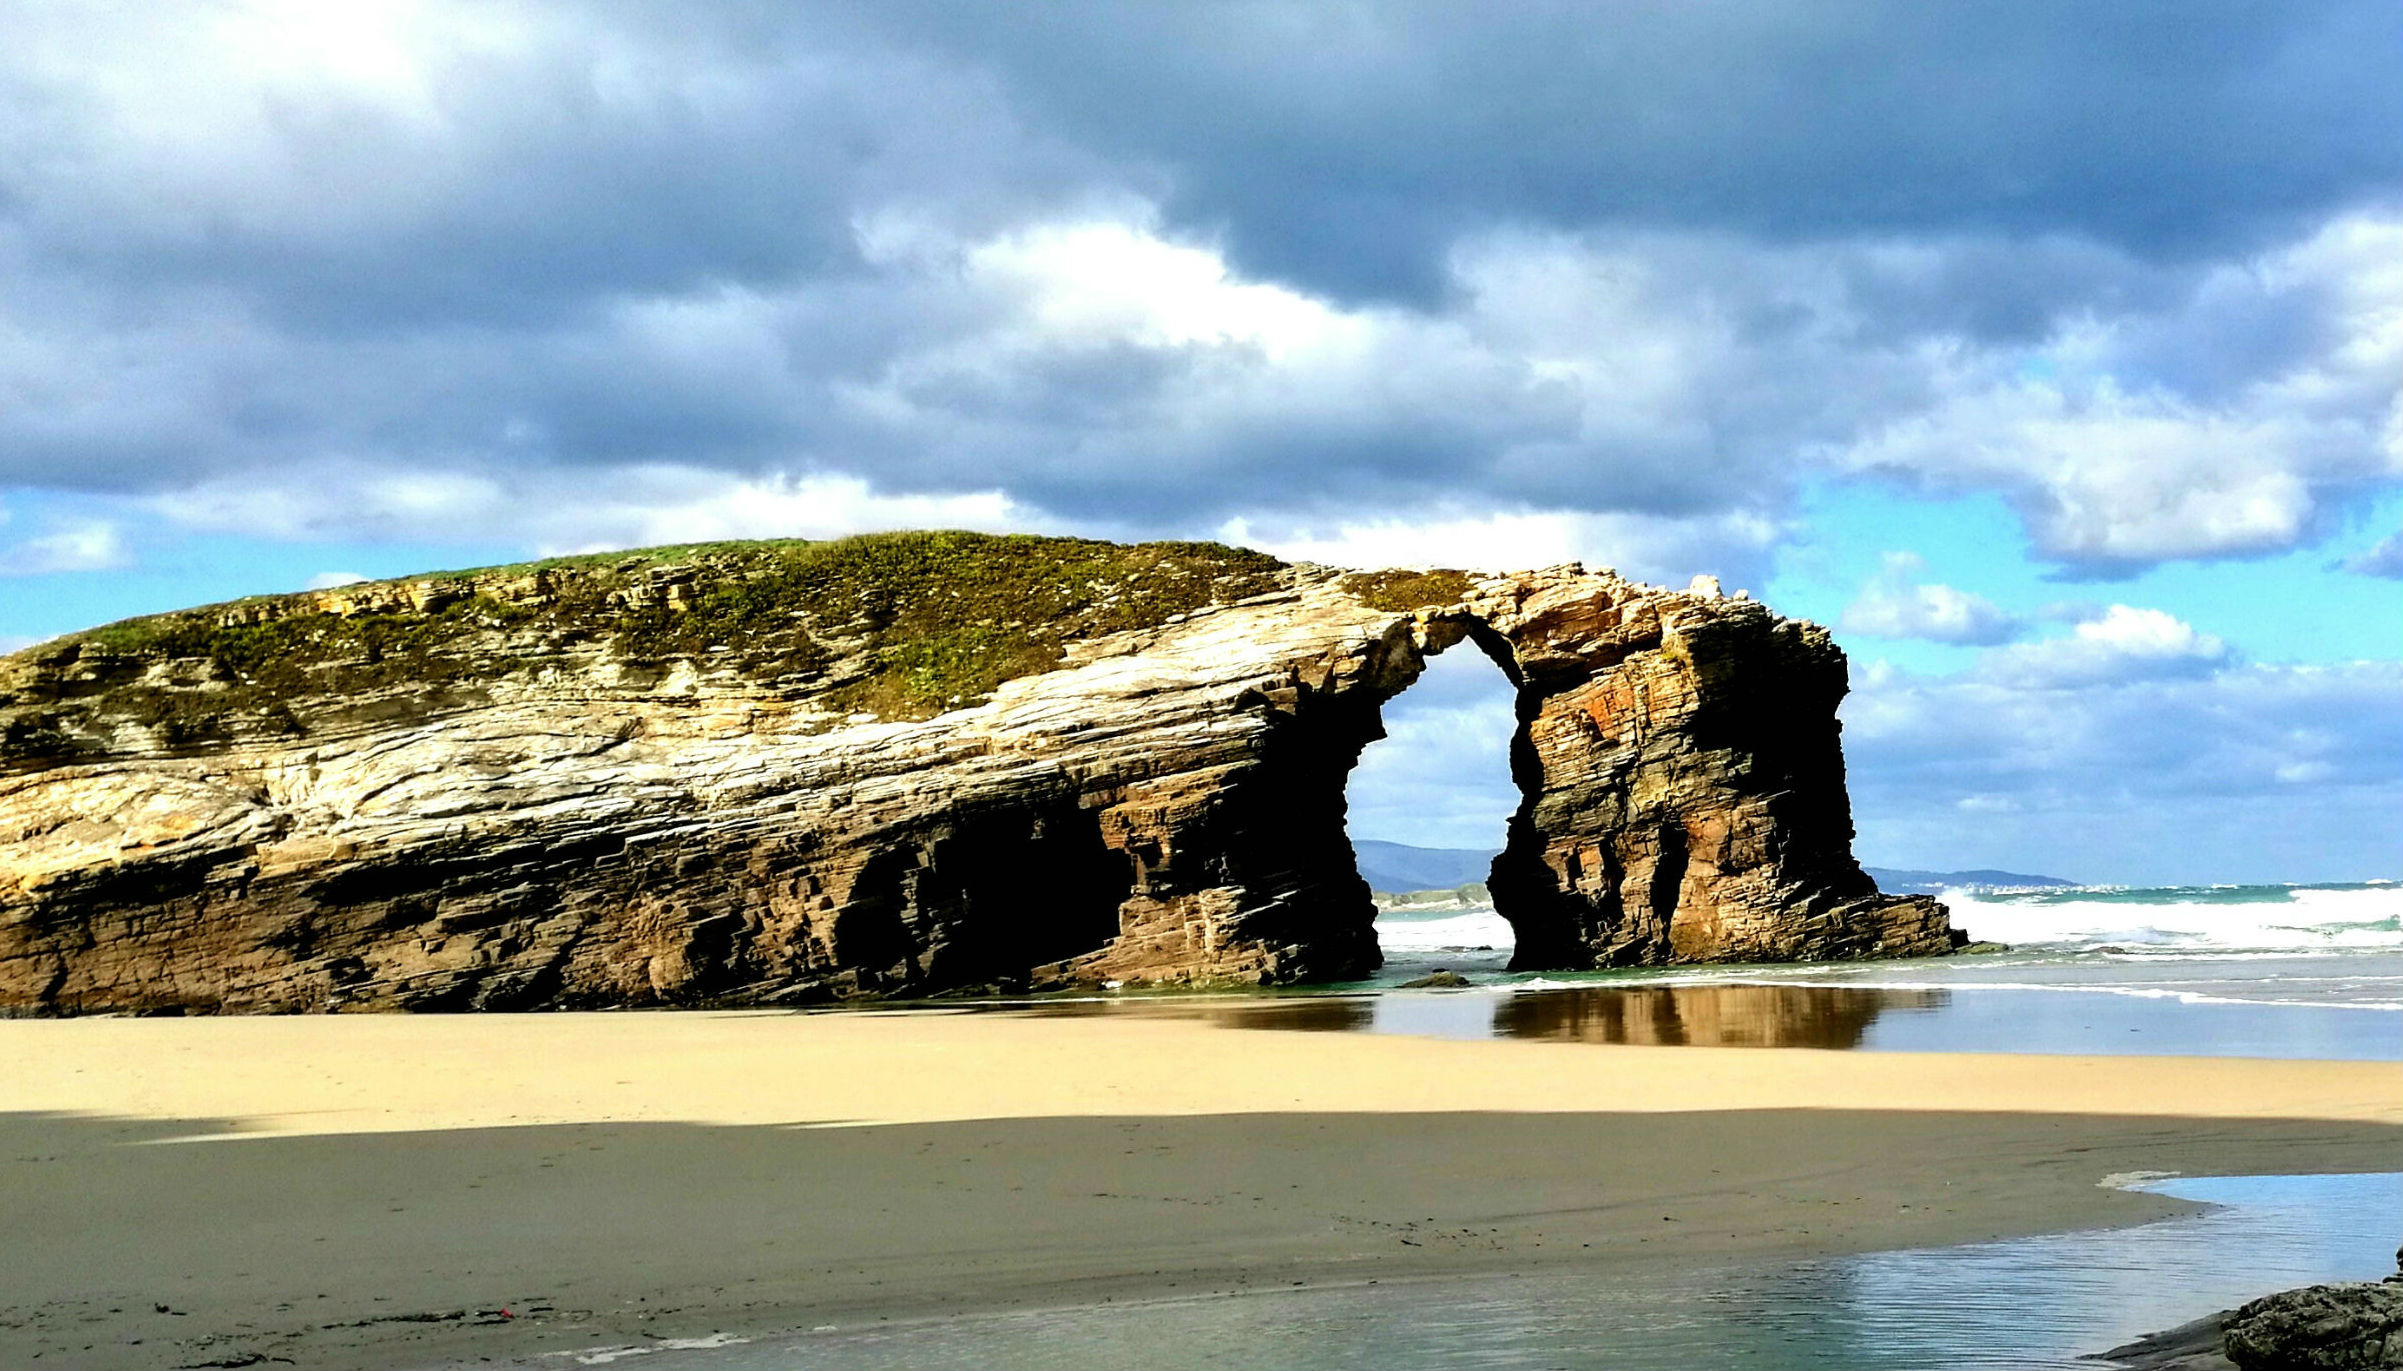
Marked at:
<point>648,815</point>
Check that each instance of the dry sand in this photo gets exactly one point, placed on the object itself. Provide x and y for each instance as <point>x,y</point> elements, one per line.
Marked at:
<point>370,1191</point>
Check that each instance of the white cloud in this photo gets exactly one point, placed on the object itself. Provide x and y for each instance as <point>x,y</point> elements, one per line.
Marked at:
<point>1089,365</point>
<point>1663,550</point>
<point>352,499</point>
<point>2249,772</point>
<point>329,580</point>
<point>2124,643</point>
<point>1895,604</point>
<point>567,511</point>
<point>666,505</point>
<point>1107,281</point>
<point>2111,477</point>
<point>2144,435</point>
<point>12,642</point>
<point>70,545</point>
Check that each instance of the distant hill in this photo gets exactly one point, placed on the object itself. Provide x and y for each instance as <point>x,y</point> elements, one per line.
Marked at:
<point>1399,867</point>
<point>1903,881</point>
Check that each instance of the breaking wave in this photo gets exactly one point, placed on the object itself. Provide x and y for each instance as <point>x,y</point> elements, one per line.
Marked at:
<point>2365,917</point>
<point>1418,935</point>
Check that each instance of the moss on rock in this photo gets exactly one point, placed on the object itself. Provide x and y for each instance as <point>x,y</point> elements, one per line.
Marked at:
<point>900,624</point>
<point>1403,591</point>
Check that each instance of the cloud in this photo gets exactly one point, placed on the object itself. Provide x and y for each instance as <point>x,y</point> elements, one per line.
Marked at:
<point>329,580</point>
<point>2122,644</point>
<point>1895,604</point>
<point>11,642</point>
<point>2384,560</point>
<point>1666,551</point>
<point>2135,437</point>
<point>416,267</point>
<point>1344,148</point>
<point>2243,772</point>
<point>559,511</point>
<point>1346,145</point>
<point>1108,373</point>
<point>70,545</point>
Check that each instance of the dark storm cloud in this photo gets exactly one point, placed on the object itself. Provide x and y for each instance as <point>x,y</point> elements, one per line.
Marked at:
<point>1343,146</point>
<point>615,156</point>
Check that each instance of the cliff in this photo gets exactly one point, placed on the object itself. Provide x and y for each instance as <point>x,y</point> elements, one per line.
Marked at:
<point>905,764</point>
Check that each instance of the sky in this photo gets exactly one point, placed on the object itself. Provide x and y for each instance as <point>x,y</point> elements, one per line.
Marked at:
<point>2050,353</point>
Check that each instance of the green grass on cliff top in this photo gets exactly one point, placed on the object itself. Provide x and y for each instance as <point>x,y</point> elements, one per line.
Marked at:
<point>897,624</point>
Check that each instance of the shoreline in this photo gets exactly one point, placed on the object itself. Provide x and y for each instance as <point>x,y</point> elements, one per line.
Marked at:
<point>609,1178</point>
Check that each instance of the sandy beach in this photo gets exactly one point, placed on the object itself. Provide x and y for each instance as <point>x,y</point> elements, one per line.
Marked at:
<point>376,1190</point>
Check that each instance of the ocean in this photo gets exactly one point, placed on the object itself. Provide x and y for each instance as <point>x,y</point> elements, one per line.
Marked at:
<point>2130,926</point>
<point>2261,970</point>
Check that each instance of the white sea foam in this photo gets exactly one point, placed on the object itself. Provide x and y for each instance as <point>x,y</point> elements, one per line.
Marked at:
<point>2365,918</point>
<point>2218,920</point>
<point>2352,993</point>
<point>1453,931</point>
<point>2331,946</point>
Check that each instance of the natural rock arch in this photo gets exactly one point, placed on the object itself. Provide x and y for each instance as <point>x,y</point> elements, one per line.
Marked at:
<point>1164,804</point>
<point>1681,782</point>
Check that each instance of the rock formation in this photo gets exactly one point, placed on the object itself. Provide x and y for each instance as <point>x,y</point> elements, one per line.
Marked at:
<point>776,773</point>
<point>2344,1326</point>
<point>2350,1326</point>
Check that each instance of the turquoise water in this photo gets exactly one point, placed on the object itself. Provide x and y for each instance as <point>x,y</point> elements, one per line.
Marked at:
<point>2031,1302</point>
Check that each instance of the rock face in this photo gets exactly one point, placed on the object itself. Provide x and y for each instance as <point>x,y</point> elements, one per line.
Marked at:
<point>2354,1326</point>
<point>718,796</point>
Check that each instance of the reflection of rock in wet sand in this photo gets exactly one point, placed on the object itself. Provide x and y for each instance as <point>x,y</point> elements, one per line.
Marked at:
<point>1707,1015</point>
<point>1310,1013</point>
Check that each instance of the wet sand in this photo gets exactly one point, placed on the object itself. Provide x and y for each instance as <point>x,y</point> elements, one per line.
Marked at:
<point>372,1191</point>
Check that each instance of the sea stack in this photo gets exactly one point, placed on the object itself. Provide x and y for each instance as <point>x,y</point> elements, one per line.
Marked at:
<point>897,765</point>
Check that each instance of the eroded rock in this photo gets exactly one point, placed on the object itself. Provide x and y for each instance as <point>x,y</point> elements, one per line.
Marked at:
<point>775,804</point>
<point>2350,1326</point>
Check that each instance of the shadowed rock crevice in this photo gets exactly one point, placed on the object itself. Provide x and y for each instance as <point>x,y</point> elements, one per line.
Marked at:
<point>1149,789</point>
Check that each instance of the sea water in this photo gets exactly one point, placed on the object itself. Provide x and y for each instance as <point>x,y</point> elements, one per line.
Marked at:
<point>2266,970</point>
<point>2044,1301</point>
<point>2160,924</point>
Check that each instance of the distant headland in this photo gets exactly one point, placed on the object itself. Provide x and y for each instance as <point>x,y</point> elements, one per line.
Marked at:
<point>1910,880</point>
